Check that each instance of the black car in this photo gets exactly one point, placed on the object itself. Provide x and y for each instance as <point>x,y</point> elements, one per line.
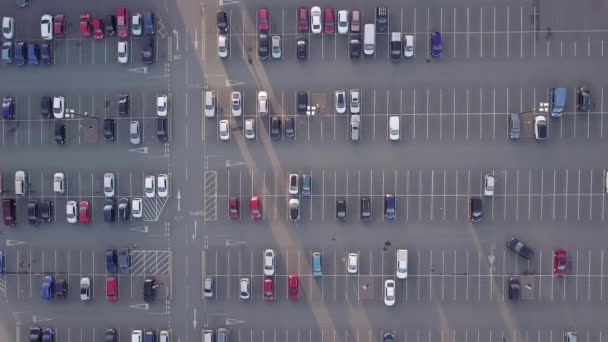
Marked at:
<point>354,45</point>
<point>149,290</point>
<point>162,132</point>
<point>381,19</point>
<point>46,211</point>
<point>275,128</point>
<point>301,48</point>
<point>59,133</point>
<point>341,209</point>
<point>45,54</point>
<point>123,105</point>
<point>583,99</point>
<point>109,209</point>
<point>475,206</point>
<point>110,25</point>
<point>123,209</point>
<point>33,215</point>
<point>147,51</point>
<point>35,334</point>
<point>390,207</point>
<point>294,209</point>
<point>61,288</point>
<point>222,22</point>
<point>302,102</point>
<point>290,127</point>
<point>514,289</point>
<point>263,46</point>
<point>20,53</point>
<point>388,337</point>
<point>46,103</point>
<point>366,208</point>
<point>111,335</point>
<point>520,248</point>
<point>108,129</point>
<point>124,260</point>
<point>111,257</point>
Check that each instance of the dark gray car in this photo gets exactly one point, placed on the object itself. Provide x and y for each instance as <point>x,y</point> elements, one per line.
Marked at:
<point>124,260</point>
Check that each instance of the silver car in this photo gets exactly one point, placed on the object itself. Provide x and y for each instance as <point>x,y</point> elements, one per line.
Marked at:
<point>134,133</point>
<point>355,101</point>
<point>276,47</point>
<point>340,101</point>
<point>236,106</point>
<point>355,127</point>
<point>250,129</point>
<point>224,130</point>
<point>222,46</point>
<point>244,292</point>
<point>123,52</point>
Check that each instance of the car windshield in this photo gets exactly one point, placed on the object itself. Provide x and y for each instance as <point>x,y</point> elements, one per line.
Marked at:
<point>83,290</point>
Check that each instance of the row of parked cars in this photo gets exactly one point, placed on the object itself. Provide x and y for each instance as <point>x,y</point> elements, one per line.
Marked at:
<point>111,335</point>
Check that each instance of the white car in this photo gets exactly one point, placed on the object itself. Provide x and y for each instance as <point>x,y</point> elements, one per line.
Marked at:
<point>123,52</point>
<point>343,21</point>
<point>355,101</point>
<point>136,24</point>
<point>58,107</point>
<point>20,183</point>
<point>108,184</point>
<point>162,105</point>
<point>393,128</point>
<point>488,185</point>
<point>250,129</point>
<point>71,212</point>
<point>224,130</point>
<point>294,184</point>
<point>137,207</point>
<point>408,45</point>
<point>210,107</point>
<point>235,105</point>
<point>389,292</point>
<point>150,186</point>
<point>85,288</point>
<point>401,263</point>
<point>162,190</point>
<point>540,127</point>
<point>269,262</point>
<point>276,47</point>
<point>315,20</point>
<point>58,183</point>
<point>353,263</point>
<point>46,27</point>
<point>222,46</point>
<point>134,133</point>
<point>340,101</point>
<point>244,290</point>
<point>8,27</point>
<point>263,103</point>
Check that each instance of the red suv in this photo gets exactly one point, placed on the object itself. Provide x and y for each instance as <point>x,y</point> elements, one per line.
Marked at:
<point>263,19</point>
<point>294,286</point>
<point>84,212</point>
<point>268,289</point>
<point>85,25</point>
<point>328,17</point>
<point>122,22</point>
<point>303,19</point>
<point>255,207</point>
<point>112,289</point>
<point>98,28</point>
<point>59,25</point>
<point>233,207</point>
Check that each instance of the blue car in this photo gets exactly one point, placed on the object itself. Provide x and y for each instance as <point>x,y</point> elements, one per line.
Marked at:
<point>20,53</point>
<point>436,44</point>
<point>48,284</point>
<point>8,108</point>
<point>33,53</point>
<point>148,23</point>
<point>111,257</point>
<point>317,261</point>
<point>48,335</point>
<point>1,261</point>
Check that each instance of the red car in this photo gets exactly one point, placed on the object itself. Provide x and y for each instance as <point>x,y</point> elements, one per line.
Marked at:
<point>268,289</point>
<point>263,19</point>
<point>560,260</point>
<point>303,19</point>
<point>112,289</point>
<point>86,28</point>
<point>255,207</point>
<point>84,212</point>
<point>98,28</point>
<point>59,25</point>
<point>294,286</point>
<point>122,22</point>
<point>328,17</point>
<point>233,207</point>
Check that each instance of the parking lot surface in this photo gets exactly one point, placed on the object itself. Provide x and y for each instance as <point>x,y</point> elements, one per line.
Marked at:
<point>498,58</point>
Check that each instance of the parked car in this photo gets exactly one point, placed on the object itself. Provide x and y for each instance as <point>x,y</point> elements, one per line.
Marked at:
<point>343,21</point>
<point>303,19</point>
<point>255,207</point>
<point>136,24</point>
<point>59,133</point>
<point>489,185</point>
<point>436,49</point>
<point>250,129</point>
<point>98,28</point>
<point>235,103</point>
<point>293,282</point>
<point>149,24</point>
<point>147,51</point>
<point>389,292</point>
<point>244,288</point>
<point>408,45</point>
<point>263,20</point>
<point>59,25</point>
<point>355,101</point>
<point>540,127</point>
<point>46,27</point>
<point>46,56</point>
<point>583,99</point>
<point>123,52</point>
<point>85,288</point>
<point>224,130</point>
<point>294,209</point>
<point>269,262</point>
<point>222,46</point>
<point>48,287</point>
<point>560,262</point>
<point>340,98</point>
<point>275,128</point>
<point>276,47</point>
<point>352,266</point>
<point>355,21</point>
<point>222,22</point>
<point>382,19</point>
<point>315,18</point>
<point>233,208</point>
<point>86,26</point>
<point>514,289</point>
<point>122,22</point>
<point>328,20</point>
<point>263,46</point>
<point>8,28</point>
<point>301,48</point>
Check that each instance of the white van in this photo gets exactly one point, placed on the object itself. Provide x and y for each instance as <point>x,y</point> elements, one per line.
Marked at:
<point>208,336</point>
<point>20,183</point>
<point>402,263</point>
<point>136,335</point>
<point>369,39</point>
